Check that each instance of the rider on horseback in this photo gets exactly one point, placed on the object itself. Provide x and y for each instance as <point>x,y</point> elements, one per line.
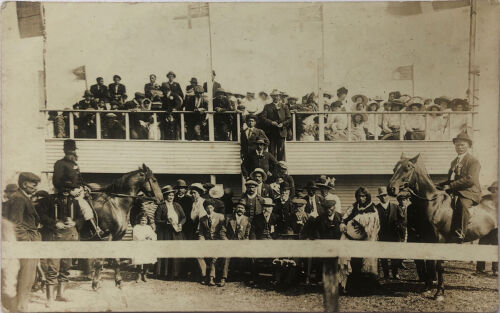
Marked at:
<point>68,182</point>
<point>462,185</point>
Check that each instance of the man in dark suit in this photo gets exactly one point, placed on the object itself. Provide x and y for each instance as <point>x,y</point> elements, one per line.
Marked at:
<point>251,200</point>
<point>173,97</point>
<point>259,158</point>
<point>26,220</point>
<point>328,224</point>
<point>117,90</point>
<point>392,228</point>
<point>284,208</point>
<point>215,85</point>
<point>200,106</point>
<point>315,202</point>
<point>260,177</point>
<point>276,117</point>
<point>463,185</point>
<point>152,89</point>
<point>209,228</point>
<point>250,136</point>
<point>235,227</point>
<point>99,90</point>
<point>223,122</point>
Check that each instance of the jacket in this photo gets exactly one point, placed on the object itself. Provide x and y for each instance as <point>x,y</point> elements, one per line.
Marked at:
<point>266,161</point>
<point>114,95</point>
<point>231,231</point>
<point>99,92</point>
<point>66,175</point>
<point>262,229</point>
<point>161,214</point>
<point>253,206</point>
<point>328,229</point>
<point>466,180</point>
<point>23,214</point>
<point>214,231</point>
<point>248,142</point>
<point>272,114</point>
<point>283,212</point>
<point>319,204</point>
<point>392,223</point>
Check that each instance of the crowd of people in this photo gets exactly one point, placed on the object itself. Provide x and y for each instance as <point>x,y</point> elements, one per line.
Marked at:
<point>343,120</point>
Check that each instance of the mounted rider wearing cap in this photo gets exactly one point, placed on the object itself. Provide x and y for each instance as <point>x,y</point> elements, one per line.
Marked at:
<point>68,182</point>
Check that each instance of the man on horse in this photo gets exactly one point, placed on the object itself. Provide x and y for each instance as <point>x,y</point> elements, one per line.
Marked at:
<point>462,185</point>
<point>68,183</point>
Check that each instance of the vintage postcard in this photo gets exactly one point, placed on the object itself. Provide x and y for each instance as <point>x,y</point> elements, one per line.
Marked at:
<point>302,156</point>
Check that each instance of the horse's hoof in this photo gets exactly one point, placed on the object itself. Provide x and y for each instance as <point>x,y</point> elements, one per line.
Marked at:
<point>118,284</point>
<point>439,297</point>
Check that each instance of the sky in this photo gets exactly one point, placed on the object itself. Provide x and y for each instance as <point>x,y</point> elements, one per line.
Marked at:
<point>256,47</point>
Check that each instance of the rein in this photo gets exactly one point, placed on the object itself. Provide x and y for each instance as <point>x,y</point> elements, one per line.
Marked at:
<point>123,195</point>
<point>413,193</point>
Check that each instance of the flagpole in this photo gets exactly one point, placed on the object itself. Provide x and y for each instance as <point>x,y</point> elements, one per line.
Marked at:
<point>86,83</point>
<point>413,80</point>
<point>211,126</point>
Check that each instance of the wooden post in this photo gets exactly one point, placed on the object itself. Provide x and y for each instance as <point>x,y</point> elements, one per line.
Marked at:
<point>213,180</point>
<point>401,135</point>
<point>71,125</point>
<point>330,284</point>
<point>155,124</point>
<point>127,126</point>
<point>376,118</point>
<point>426,126</point>
<point>183,135</point>
<point>348,127</point>
<point>98,125</point>
<point>294,126</point>
<point>238,127</point>
<point>321,122</point>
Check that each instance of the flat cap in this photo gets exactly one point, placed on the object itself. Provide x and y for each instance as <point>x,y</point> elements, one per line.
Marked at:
<point>11,188</point>
<point>28,176</point>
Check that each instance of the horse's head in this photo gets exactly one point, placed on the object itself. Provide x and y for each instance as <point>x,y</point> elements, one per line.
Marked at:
<point>149,184</point>
<point>403,176</point>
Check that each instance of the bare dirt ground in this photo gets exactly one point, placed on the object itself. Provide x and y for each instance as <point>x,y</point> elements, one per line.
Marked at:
<point>464,293</point>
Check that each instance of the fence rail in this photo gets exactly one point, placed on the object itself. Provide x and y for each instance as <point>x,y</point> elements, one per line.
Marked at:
<point>250,249</point>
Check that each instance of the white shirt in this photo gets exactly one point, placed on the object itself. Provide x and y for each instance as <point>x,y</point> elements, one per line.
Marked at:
<point>460,157</point>
<point>171,213</point>
<point>198,209</point>
<point>314,211</point>
<point>384,205</point>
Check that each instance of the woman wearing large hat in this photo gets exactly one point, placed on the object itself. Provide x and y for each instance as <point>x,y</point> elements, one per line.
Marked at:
<point>358,127</point>
<point>436,123</point>
<point>414,123</point>
<point>359,102</point>
<point>169,219</point>
<point>460,121</point>
<point>444,102</point>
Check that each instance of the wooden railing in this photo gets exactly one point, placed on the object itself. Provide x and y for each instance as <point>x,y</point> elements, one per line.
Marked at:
<point>305,126</point>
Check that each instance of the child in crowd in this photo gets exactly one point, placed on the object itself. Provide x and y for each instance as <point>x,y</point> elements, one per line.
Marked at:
<point>143,231</point>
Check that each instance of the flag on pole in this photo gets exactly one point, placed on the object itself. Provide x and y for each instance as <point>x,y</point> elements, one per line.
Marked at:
<point>80,73</point>
<point>403,73</point>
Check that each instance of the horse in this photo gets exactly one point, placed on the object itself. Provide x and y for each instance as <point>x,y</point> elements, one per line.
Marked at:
<point>436,210</point>
<point>112,205</point>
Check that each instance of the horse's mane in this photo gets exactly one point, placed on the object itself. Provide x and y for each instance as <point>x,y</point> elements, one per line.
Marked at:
<point>120,185</point>
<point>441,196</point>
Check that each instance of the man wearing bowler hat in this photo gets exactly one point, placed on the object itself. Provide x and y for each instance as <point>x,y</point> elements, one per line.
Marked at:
<point>276,117</point>
<point>68,183</point>
<point>259,158</point>
<point>251,200</point>
<point>27,222</point>
<point>172,91</point>
<point>462,185</point>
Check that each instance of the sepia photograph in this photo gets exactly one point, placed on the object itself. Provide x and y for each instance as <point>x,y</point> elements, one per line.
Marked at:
<point>333,156</point>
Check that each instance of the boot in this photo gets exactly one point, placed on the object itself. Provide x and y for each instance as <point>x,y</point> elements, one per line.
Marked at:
<point>96,228</point>
<point>138,276</point>
<point>143,275</point>
<point>49,291</point>
<point>60,293</point>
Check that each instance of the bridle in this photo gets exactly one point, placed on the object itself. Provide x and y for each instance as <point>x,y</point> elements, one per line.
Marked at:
<point>408,186</point>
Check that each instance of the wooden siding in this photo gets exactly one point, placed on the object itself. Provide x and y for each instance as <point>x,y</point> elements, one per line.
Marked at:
<point>119,156</point>
<point>315,158</point>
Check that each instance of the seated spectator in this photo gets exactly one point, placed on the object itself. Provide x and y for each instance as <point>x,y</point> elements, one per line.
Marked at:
<point>336,124</point>
<point>196,122</point>
<point>310,127</point>
<point>394,95</point>
<point>192,84</point>
<point>152,90</point>
<point>359,102</point>
<point>99,90</point>
<point>460,122</point>
<point>414,124</point>
<point>373,126</point>
<point>85,122</point>
<point>117,90</point>
<point>250,136</point>
<point>260,177</point>
<point>209,229</point>
<point>173,96</point>
<point>358,127</point>
<point>114,126</point>
<point>259,159</point>
<point>223,123</point>
<point>251,200</point>
<point>139,122</point>
<point>391,123</point>
<point>444,102</point>
<point>236,226</point>
<point>169,127</point>
<point>436,123</point>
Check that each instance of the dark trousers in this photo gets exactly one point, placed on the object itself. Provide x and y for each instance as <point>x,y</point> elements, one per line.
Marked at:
<point>56,270</point>
<point>25,280</point>
<point>461,214</point>
<point>207,266</point>
<point>277,148</point>
<point>490,239</point>
<point>163,265</point>
<point>426,270</point>
<point>395,264</point>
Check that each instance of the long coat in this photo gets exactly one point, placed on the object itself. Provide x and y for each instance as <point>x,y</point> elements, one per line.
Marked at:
<point>23,214</point>
<point>164,228</point>
<point>266,161</point>
<point>392,222</point>
<point>67,175</point>
<point>319,204</point>
<point>328,229</point>
<point>249,138</point>
<point>232,231</point>
<point>272,114</point>
<point>466,180</point>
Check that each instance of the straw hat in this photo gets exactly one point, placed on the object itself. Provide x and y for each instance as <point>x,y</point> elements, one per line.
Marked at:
<point>216,192</point>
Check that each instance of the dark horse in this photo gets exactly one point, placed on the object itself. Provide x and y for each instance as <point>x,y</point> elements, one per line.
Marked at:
<point>112,205</point>
<point>435,208</point>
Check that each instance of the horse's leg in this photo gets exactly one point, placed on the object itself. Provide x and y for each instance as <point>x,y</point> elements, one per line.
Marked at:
<point>439,296</point>
<point>118,275</point>
<point>97,269</point>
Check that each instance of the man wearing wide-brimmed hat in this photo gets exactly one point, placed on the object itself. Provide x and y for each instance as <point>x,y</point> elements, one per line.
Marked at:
<point>276,117</point>
<point>251,200</point>
<point>463,185</point>
<point>326,187</point>
<point>259,158</point>
<point>263,189</point>
<point>250,136</point>
<point>315,201</point>
<point>281,176</point>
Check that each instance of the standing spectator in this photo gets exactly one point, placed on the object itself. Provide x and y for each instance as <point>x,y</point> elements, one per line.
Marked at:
<point>85,122</point>
<point>284,208</point>
<point>282,176</point>
<point>444,102</point>
<point>250,136</point>
<point>328,223</point>
<point>139,122</point>
<point>117,91</point>
<point>315,202</point>
<point>341,97</point>
<point>192,84</point>
<point>392,219</point>
<point>193,120</point>
<point>490,200</point>
<point>326,188</point>
<point>215,85</point>
<point>436,123</point>
<point>197,191</point>
<point>276,117</point>
<point>216,193</point>
<point>222,122</point>
<point>361,222</point>
<point>143,231</point>
<point>210,229</point>
<point>8,192</point>
<point>251,200</point>
<point>169,127</point>
<point>152,90</point>
<point>169,219</point>
<point>27,221</point>
<point>259,158</point>
<point>173,96</point>
<point>186,203</point>
<point>99,90</point>
<point>236,227</point>
<point>263,189</point>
